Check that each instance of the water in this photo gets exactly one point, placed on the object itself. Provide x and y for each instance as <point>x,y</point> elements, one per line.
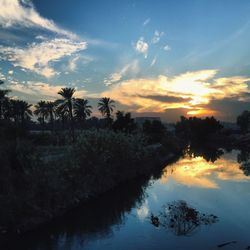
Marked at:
<point>210,188</point>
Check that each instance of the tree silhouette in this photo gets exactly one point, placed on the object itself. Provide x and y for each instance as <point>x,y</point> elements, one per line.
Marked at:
<point>82,109</point>
<point>243,159</point>
<point>124,122</point>
<point>181,219</point>
<point>65,105</point>
<point>20,111</point>
<point>3,100</point>
<point>40,111</point>
<point>154,130</point>
<point>197,128</point>
<point>243,121</point>
<point>50,112</point>
<point>106,106</point>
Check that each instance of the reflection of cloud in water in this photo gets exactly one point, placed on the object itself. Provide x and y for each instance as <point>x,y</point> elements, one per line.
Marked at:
<point>200,173</point>
<point>143,211</point>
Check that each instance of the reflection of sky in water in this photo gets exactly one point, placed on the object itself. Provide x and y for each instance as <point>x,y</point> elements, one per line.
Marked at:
<point>220,188</point>
<point>198,172</point>
<point>122,220</point>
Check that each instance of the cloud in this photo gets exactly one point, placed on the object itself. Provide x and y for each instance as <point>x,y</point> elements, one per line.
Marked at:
<point>166,98</point>
<point>73,63</point>
<point>10,72</point>
<point>131,67</point>
<point>2,76</point>
<point>35,91</point>
<point>192,91</point>
<point>166,48</point>
<point>153,61</point>
<point>146,22</point>
<point>15,13</point>
<point>141,47</point>
<point>157,37</point>
<point>143,211</point>
<point>40,37</point>
<point>38,57</point>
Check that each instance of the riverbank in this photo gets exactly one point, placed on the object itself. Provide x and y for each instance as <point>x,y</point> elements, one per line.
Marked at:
<point>43,182</point>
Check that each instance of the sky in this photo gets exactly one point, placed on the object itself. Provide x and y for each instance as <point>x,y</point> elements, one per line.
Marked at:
<point>154,58</point>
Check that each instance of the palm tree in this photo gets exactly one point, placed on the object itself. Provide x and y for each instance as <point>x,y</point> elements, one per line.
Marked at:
<point>50,112</point>
<point>106,107</point>
<point>3,99</point>
<point>40,111</point>
<point>82,109</point>
<point>66,104</point>
<point>20,110</point>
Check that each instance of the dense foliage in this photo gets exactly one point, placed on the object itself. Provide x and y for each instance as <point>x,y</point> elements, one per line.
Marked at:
<point>197,128</point>
<point>243,121</point>
<point>37,181</point>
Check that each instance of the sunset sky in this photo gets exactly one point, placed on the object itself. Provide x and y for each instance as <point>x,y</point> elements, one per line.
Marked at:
<point>158,58</point>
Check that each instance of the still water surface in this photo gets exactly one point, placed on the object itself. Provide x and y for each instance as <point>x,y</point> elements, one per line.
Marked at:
<point>202,201</point>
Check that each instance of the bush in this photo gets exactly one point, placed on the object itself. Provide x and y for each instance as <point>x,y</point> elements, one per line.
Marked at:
<point>110,156</point>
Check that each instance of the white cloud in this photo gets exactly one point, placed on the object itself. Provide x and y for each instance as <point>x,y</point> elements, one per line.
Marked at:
<point>146,22</point>
<point>157,37</point>
<point>40,37</point>
<point>10,72</point>
<point>143,211</point>
<point>39,90</point>
<point>77,60</point>
<point>166,48</point>
<point>18,13</point>
<point>153,61</point>
<point>142,47</point>
<point>38,57</point>
<point>132,67</point>
<point>73,63</point>
<point>2,76</point>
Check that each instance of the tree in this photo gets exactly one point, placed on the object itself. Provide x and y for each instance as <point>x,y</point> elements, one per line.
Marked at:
<point>197,128</point>
<point>3,100</point>
<point>40,111</point>
<point>65,106</point>
<point>20,111</point>
<point>106,107</point>
<point>50,112</point>
<point>243,159</point>
<point>124,122</point>
<point>243,121</point>
<point>154,130</point>
<point>82,109</point>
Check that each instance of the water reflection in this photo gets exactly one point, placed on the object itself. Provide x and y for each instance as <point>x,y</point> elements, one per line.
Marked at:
<point>243,159</point>
<point>200,171</point>
<point>210,154</point>
<point>182,219</point>
<point>119,218</point>
<point>91,221</point>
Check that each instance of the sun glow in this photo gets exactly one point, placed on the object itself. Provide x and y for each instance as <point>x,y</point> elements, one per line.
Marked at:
<point>192,91</point>
<point>200,173</point>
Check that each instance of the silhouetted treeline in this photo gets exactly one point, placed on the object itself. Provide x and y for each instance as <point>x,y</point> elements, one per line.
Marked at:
<point>243,121</point>
<point>197,128</point>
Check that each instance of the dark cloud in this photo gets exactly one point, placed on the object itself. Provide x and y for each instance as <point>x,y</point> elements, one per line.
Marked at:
<point>166,98</point>
<point>228,108</point>
<point>170,115</point>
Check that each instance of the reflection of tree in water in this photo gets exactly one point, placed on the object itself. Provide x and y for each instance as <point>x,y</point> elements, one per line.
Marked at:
<point>91,220</point>
<point>243,159</point>
<point>182,219</point>
<point>208,153</point>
